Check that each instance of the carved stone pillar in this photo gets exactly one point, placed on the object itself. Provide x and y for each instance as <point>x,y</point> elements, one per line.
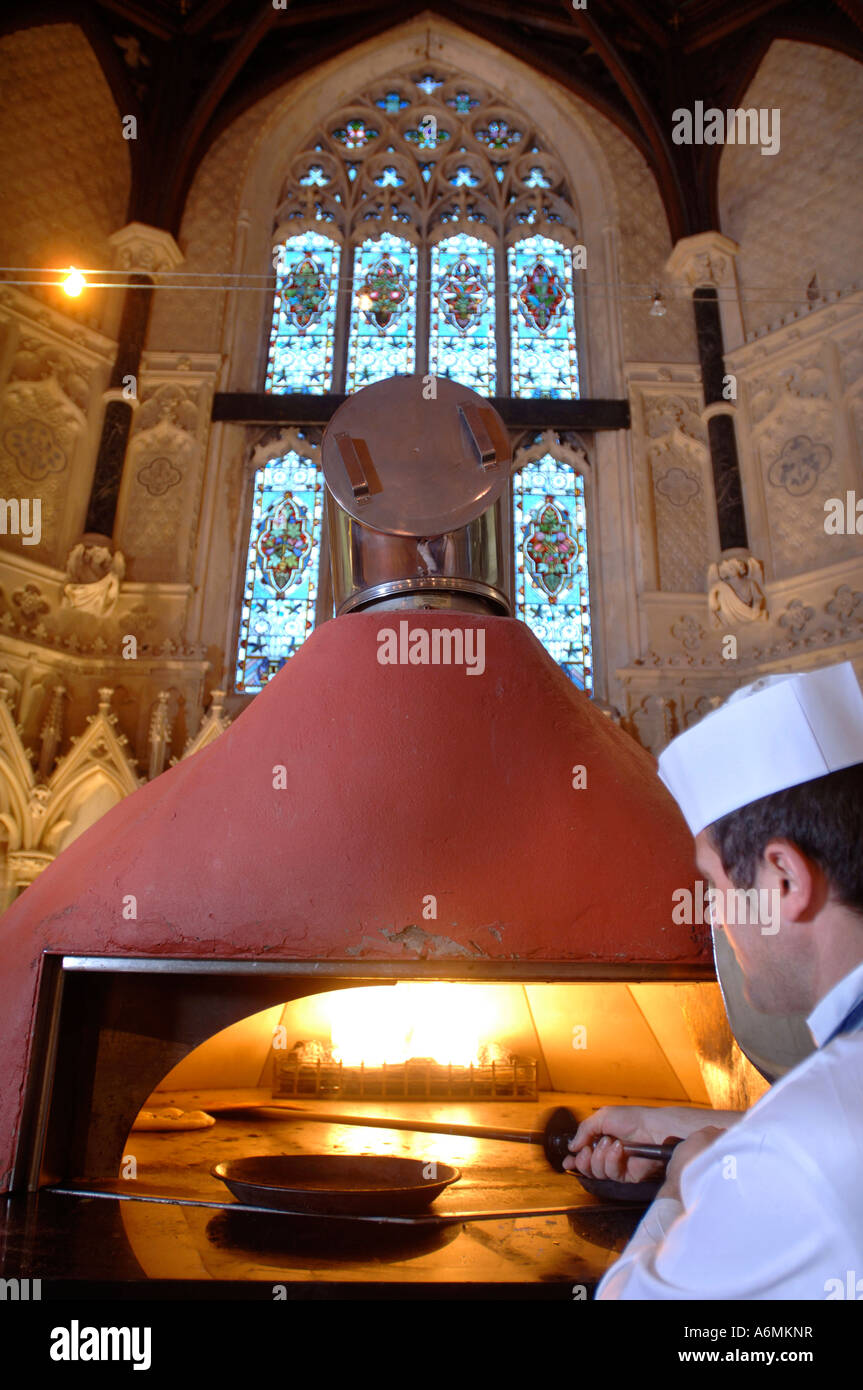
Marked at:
<point>142,252</point>
<point>704,265</point>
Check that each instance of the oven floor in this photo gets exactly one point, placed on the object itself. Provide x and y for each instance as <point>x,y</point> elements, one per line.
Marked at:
<point>159,1242</point>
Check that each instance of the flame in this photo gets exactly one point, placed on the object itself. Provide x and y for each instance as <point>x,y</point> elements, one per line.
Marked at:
<point>394,1023</point>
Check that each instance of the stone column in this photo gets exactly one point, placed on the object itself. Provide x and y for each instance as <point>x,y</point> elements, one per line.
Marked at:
<point>704,265</point>
<point>141,252</point>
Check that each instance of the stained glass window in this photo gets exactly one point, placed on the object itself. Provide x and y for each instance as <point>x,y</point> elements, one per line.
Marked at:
<point>552,592</point>
<point>355,135</point>
<point>437,165</point>
<point>462,341</point>
<point>542,319</point>
<point>304,315</point>
<point>383,311</point>
<point>281,585</point>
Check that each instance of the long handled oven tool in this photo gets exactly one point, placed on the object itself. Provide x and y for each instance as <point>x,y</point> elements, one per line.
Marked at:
<point>554,1138</point>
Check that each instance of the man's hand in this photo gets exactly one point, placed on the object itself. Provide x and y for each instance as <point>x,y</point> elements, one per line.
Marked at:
<point>634,1124</point>
<point>683,1154</point>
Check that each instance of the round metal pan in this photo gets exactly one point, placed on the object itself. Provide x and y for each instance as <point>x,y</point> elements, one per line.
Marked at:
<point>335,1184</point>
<point>637,1193</point>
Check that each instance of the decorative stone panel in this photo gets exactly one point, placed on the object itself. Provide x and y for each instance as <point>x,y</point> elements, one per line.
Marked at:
<point>798,212</point>
<point>162,477</point>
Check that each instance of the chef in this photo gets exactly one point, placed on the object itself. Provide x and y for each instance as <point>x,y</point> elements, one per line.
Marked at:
<point>768,1203</point>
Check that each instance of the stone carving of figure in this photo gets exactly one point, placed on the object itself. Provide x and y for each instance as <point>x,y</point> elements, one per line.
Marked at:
<point>736,591</point>
<point>96,576</point>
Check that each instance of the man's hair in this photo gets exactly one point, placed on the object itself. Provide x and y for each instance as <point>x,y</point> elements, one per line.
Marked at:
<point>823,818</point>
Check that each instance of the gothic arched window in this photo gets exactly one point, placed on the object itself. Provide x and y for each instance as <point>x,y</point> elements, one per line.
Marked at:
<point>552,586</point>
<point>281,583</point>
<point>424,227</point>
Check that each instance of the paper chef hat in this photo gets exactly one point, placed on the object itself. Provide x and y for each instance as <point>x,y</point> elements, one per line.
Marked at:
<point>776,733</point>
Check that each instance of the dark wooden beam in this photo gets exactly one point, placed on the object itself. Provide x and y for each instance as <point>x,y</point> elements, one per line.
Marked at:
<point>540,412</point>
<point>201,17</point>
<point>658,134</point>
<point>188,140</point>
<point>141,15</point>
<point>640,15</point>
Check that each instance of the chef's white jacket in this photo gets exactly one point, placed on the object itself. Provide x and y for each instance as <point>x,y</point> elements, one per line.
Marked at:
<point>774,1207</point>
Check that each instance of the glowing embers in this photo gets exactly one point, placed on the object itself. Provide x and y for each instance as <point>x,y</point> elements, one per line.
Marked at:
<point>281,570</point>
<point>383,311</point>
<point>544,361</point>
<point>304,315</point>
<point>462,342</point>
<point>552,588</point>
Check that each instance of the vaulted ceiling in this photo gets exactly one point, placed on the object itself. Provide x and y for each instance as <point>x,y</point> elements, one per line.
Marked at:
<point>187,68</point>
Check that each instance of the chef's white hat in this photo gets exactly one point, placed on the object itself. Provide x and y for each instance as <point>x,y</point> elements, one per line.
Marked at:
<point>776,733</point>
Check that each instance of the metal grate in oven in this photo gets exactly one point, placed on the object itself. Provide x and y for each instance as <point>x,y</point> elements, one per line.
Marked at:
<point>418,1079</point>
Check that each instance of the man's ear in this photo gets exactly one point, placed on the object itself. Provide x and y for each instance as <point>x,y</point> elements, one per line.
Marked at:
<point>800,881</point>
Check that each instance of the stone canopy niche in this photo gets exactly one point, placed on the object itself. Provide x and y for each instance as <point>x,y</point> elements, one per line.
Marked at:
<point>359,819</point>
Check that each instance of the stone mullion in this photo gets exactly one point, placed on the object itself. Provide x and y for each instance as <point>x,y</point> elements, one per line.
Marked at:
<point>501,296</point>
<point>343,316</point>
<point>117,420</point>
<point>423,302</point>
<point>730,514</point>
<point>141,252</point>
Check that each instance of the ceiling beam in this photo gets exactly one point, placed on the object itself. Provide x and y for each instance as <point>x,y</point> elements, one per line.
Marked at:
<point>200,18</point>
<point>142,16</point>
<point>647,117</point>
<point>643,19</point>
<point>522,412</point>
<point>190,137</point>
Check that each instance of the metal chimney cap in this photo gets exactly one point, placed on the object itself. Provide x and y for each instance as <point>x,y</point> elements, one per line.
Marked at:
<point>400,463</point>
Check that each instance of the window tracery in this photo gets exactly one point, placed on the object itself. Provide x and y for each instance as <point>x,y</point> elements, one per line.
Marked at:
<point>425,226</point>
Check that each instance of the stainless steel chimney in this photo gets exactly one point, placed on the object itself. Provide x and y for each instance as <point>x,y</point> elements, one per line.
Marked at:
<point>417,499</point>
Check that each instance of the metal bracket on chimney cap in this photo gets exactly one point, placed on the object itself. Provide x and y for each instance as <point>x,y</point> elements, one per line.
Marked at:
<point>353,466</point>
<point>482,441</point>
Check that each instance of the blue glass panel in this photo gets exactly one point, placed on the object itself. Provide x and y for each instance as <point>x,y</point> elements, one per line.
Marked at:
<point>392,101</point>
<point>462,101</point>
<point>462,342</point>
<point>464,177</point>
<point>552,591</point>
<point>537,178</point>
<point>355,134</point>
<point>429,83</point>
<point>542,319</point>
<point>427,136</point>
<point>499,135</point>
<point>304,315</point>
<point>383,311</point>
<point>315,177</point>
<point>281,570</point>
<point>389,178</point>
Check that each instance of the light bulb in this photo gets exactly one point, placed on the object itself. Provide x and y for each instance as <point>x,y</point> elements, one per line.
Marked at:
<point>74,283</point>
<point>657,308</point>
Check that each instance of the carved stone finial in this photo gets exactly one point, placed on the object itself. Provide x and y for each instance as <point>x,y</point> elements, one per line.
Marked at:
<point>159,734</point>
<point>52,732</point>
<point>105,693</point>
<point>736,590</point>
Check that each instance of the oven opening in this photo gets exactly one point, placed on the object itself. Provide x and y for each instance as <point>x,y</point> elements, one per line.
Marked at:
<point>168,1088</point>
